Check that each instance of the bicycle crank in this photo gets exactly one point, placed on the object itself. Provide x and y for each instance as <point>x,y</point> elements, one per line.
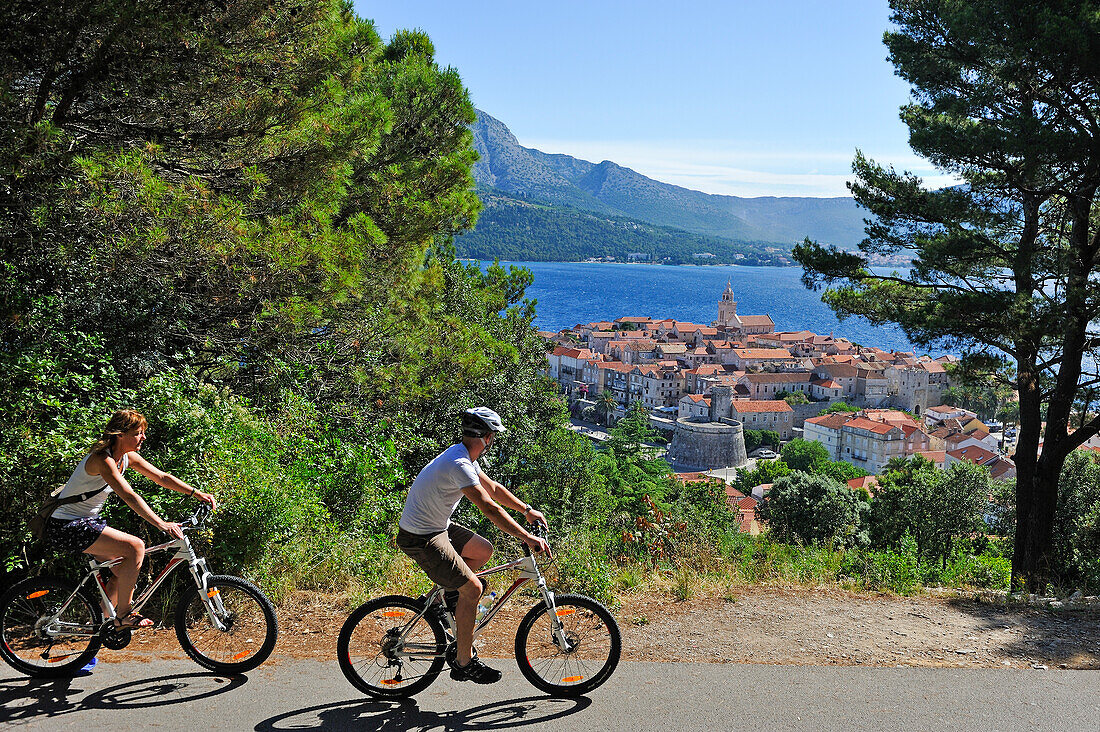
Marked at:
<point>116,638</point>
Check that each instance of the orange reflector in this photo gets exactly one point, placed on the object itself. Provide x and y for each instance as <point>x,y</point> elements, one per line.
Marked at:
<point>571,679</point>
<point>393,614</point>
<point>56,659</point>
<point>241,655</point>
<point>565,611</point>
<point>390,682</point>
<point>40,593</point>
<point>211,593</point>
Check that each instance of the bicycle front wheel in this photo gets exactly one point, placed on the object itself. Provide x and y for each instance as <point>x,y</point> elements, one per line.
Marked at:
<point>248,626</point>
<point>384,653</point>
<point>590,653</point>
<point>46,630</point>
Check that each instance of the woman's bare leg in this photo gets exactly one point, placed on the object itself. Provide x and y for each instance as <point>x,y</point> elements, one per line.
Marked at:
<point>113,543</point>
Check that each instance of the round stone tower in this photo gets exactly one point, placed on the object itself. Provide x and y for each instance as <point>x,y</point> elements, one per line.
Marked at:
<point>707,443</point>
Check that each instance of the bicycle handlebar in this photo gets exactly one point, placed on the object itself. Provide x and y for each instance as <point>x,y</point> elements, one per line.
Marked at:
<point>196,519</point>
<point>541,531</point>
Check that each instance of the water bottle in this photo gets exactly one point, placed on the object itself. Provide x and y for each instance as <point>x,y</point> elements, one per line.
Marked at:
<point>485,605</point>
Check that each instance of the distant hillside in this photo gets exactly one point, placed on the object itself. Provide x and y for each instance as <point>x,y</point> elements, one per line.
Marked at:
<point>607,188</point>
<point>513,229</point>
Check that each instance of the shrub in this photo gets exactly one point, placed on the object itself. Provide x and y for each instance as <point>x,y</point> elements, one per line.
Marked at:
<point>815,509</point>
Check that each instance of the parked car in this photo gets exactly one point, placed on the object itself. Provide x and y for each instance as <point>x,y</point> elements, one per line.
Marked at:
<point>766,454</point>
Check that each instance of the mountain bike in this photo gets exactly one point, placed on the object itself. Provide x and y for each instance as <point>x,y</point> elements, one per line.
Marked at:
<point>395,646</point>
<point>50,627</point>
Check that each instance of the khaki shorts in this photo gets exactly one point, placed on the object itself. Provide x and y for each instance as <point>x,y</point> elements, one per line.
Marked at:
<point>440,555</point>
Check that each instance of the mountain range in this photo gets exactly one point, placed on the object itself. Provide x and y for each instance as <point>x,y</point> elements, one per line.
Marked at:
<point>570,205</point>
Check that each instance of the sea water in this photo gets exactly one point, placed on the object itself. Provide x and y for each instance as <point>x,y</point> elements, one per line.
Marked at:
<point>568,293</point>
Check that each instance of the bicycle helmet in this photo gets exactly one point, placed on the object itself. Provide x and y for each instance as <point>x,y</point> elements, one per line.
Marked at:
<point>480,421</point>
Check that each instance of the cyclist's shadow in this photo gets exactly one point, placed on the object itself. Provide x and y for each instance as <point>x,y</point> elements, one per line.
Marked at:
<point>23,699</point>
<point>400,716</point>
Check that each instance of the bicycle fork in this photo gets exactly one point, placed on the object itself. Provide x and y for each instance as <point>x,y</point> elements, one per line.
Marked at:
<point>211,598</point>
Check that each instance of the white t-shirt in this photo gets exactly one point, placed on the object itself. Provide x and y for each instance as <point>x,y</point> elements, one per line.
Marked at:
<point>435,493</point>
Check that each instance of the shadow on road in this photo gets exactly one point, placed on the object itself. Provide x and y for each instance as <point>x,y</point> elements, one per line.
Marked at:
<point>1068,637</point>
<point>24,700</point>
<point>399,716</point>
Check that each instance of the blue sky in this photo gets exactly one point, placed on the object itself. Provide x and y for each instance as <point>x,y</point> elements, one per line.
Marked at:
<point>743,97</point>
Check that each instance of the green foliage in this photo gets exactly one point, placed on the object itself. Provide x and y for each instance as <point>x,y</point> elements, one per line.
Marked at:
<point>815,509</point>
<point>770,438</point>
<point>525,231</point>
<point>1077,523</point>
<point>807,456</point>
<point>765,472</point>
<point>629,470</point>
<point>753,439</point>
<point>841,471</point>
<point>794,398</point>
<point>837,407</point>
<point>937,508</point>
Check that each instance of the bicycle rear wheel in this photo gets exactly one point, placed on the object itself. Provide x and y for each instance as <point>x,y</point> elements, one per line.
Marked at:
<point>384,654</point>
<point>47,650</point>
<point>249,619</point>
<point>594,646</point>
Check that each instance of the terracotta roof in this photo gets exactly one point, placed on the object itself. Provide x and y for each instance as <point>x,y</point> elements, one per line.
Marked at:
<point>762,353</point>
<point>869,482</point>
<point>838,370</point>
<point>933,367</point>
<point>581,353</point>
<point>784,377</point>
<point>622,368</point>
<point>733,496</point>
<point>633,319</point>
<point>862,423</point>
<point>973,453</point>
<point>833,421</point>
<point>761,405</point>
<point>756,320</point>
<point>825,383</point>
<point>748,502</point>
<point>936,456</point>
<point>696,398</point>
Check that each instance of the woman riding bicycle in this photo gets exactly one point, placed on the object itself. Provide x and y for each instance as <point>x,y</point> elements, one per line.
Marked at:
<point>76,527</point>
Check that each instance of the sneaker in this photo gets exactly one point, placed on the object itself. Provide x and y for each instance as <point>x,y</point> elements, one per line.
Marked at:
<point>476,671</point>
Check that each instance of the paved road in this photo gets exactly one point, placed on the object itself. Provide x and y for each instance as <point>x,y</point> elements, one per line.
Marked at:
<point>309,695</point>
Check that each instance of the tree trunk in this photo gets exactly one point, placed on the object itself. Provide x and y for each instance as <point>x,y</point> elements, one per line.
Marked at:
<point>1035,564</point>
<point>1026,459</point>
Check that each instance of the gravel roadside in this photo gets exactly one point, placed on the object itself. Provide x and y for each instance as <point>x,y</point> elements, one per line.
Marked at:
<point>761,624</point>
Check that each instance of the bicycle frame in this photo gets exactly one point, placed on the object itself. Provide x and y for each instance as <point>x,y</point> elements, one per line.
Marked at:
<point>184,553</point>
<point>529,572</point>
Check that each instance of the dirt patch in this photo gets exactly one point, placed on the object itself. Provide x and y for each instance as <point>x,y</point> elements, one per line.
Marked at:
<point>800,626</point>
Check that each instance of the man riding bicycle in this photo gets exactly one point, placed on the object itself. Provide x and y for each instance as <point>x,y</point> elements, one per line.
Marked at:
<point>450,554</point>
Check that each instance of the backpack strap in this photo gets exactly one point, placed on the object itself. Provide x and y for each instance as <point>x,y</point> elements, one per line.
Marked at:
<point>49,506</point>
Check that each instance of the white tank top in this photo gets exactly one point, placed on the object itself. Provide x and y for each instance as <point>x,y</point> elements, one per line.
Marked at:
<point>82,482</point>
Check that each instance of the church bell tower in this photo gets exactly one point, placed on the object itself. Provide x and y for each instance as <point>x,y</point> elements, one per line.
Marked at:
<point>727,308</point>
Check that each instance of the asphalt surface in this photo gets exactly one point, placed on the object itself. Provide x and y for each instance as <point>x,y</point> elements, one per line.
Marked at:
<point>286,694</point>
